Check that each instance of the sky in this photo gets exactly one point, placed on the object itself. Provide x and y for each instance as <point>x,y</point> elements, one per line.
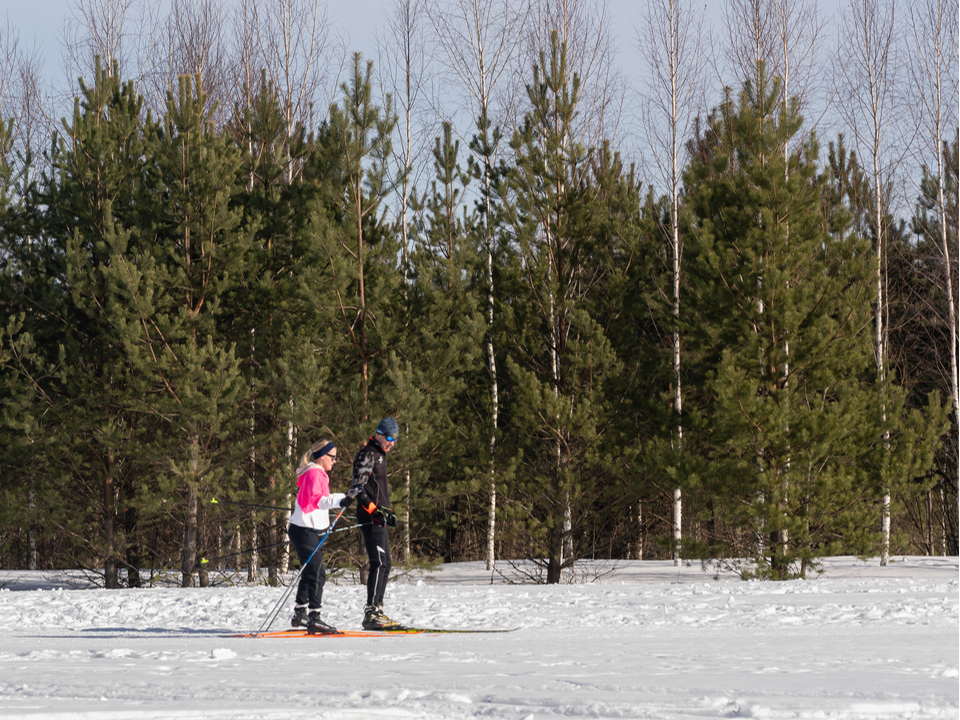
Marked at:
<point>40,23</point>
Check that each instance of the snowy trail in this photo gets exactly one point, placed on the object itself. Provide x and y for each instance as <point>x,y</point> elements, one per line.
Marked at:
<point>858,644</point>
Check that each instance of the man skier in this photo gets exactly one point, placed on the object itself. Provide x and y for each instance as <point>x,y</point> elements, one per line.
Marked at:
<point>374,516</point>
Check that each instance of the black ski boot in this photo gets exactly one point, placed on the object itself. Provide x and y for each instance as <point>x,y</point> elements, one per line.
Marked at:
<point>299,616</point>
<point>316,626</point>
<point>374,619</point>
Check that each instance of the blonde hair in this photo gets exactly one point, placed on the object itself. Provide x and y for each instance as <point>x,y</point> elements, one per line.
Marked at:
<point>307,457</point>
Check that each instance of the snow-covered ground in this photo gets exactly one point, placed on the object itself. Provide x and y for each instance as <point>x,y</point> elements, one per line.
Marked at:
<point>637,640</point>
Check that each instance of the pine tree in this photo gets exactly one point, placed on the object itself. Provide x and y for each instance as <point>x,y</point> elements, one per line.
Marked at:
<point>189,379</point>
<point>565,201</point>
<point>780,309</point>
<point>923,281</point>
<point>92,212</point>
<point>359,285</point>
<point>270,326</point>
<point>443,335</point>
<point>24,371</point>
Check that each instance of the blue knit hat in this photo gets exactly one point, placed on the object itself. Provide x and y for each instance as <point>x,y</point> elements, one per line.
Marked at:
<point>388,428</point>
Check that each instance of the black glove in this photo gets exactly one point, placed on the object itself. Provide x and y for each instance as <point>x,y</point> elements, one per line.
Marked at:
<point>384,516</point>
<point>346,502</point>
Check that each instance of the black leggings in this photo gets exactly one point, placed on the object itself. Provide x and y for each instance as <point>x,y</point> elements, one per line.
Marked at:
<point>313,577</point>
<point>377,542</point>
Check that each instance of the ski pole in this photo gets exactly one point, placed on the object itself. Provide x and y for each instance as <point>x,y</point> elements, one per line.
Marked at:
<point>214,501</point>
<point>204,561</point>
<point>272,615</point>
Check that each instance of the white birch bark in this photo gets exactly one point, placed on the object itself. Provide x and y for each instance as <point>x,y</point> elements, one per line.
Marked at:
<point>284,554</point>
<point>293,41</point>
<point>234,548</point>
<point>479,39</point>
<point>253,562</point>
<point>786,35</point>
<point>31,530</point>
<point>868,63</point>
<point>403,67</point>
<point>672,46</point>
<point>586,28</point>
<point>638,551</point>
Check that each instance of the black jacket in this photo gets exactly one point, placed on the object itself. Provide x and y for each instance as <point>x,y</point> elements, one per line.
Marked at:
<point>370,479</point>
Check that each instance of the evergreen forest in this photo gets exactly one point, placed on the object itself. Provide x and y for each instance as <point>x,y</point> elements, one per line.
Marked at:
<point>748,360</point>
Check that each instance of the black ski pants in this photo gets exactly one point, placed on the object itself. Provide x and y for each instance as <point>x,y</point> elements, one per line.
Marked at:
<point>376,540</point>
<point>313,577</point>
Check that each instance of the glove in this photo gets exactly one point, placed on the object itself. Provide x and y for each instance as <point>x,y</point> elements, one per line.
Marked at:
<point>376,514</point>
<point>382,516</point>
<point>346,502</point>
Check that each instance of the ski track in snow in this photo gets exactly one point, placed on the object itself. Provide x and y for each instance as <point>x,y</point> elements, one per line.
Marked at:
<point>645,641</point>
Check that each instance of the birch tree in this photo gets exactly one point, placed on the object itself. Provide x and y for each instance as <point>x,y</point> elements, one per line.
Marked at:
<point>479,39</point>
<point>869,63</point>
<point>585,28</point>
<point>404,66</point>
<point>122,33</point>
<point>671,44</point>
<point>195,42</point>
<point>294,42</point>
<point>934,72</point>
<point>786,35</point>
<point>104,23</point>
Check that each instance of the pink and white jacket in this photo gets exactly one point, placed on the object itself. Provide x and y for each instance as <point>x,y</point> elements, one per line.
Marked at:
<point>314,498</point>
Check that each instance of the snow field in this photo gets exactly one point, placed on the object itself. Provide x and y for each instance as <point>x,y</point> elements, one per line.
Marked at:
<point>856,644</point>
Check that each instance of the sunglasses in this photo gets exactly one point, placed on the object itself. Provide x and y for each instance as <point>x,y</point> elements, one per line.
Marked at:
<point>389,438</point>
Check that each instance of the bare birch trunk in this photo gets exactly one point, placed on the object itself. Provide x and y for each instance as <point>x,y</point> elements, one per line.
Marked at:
<point>638,551</point>
<point>675,248</point>
<point>868,64</point>
<point>494,407</point>
<point>479,38</point>
<point>284,565</point>
<point>234,549</point>
<point>272,538</point>
<point>943,520</point>
<point>491,554</point>
<point>408,490</point>
<point>672,46</point>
